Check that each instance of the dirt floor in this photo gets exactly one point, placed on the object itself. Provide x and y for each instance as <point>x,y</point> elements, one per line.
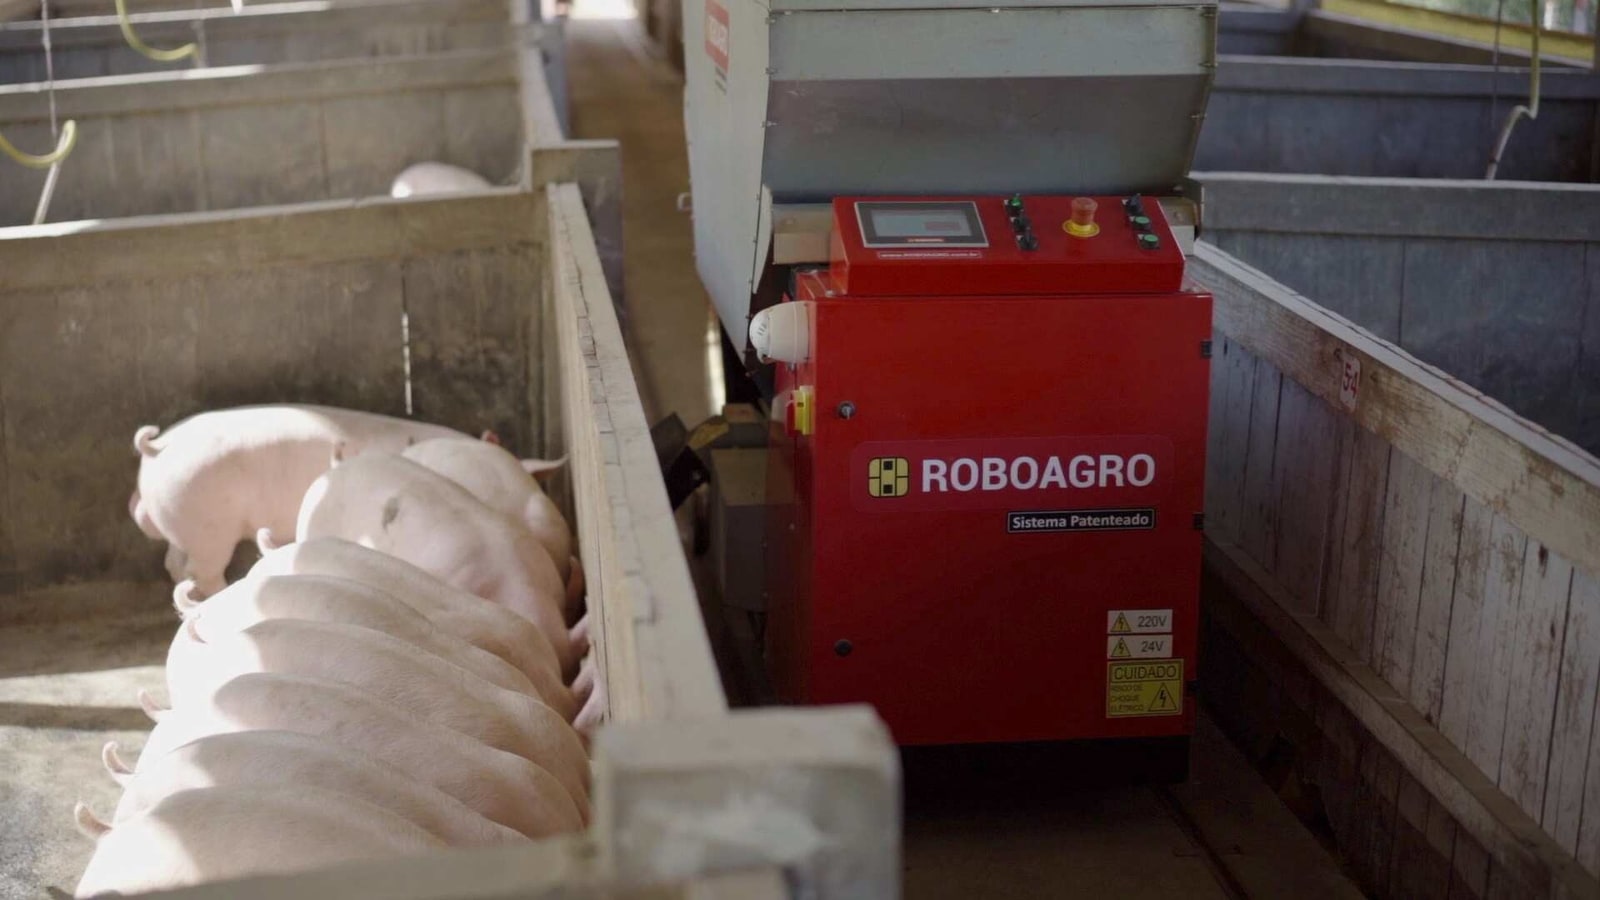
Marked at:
<point>71,663</point>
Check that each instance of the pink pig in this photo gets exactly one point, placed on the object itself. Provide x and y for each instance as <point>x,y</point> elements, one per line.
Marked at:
<point>216,478</point>
<point>391,504</point>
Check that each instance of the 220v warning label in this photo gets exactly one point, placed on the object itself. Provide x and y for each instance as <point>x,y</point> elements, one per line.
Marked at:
<point>1144,688</point>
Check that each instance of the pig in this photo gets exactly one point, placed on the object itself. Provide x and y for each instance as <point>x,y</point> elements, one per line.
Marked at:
<point>286,760</point>
<point>389,669</point>
<point>485,625</point>
<point>435,178</point>
<point>216,478</point>
<point>501,481</point>
<point>499,786</point>
<point>217,833</point>
<point>327,598</point>
<point>393,505</point>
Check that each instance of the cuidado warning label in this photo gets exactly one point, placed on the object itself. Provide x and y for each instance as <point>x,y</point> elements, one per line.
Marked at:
<point>1141,688</point>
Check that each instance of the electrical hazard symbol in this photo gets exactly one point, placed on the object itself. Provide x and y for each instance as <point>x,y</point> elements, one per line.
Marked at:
<point>1119,649</point>
<point>1120,624</point>
<point>1144,689</point>
<point>888,476</point>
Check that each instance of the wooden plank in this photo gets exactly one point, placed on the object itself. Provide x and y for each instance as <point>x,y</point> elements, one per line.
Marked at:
<point>1267,851</point>
<point>1416,871</point>
<point>1405,536</point>
<point>1545,486</point>
<point>1305,461</point>
<point>1330,609</point>
<point>1446,506</point>
<point>1469,871</point>
<point>1512,838</point>
<point>1358,553</point>
<point>1464,658</point>
<point>1225,494</point>
<point>220,242</point>
<point>1258,532</point>
<point>1572,798</point>
<point>1489,690</point>
<point>647,597</point>
<point>1536,645</point>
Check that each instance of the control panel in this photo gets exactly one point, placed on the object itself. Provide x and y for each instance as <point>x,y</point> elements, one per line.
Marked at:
<point>995,246</point>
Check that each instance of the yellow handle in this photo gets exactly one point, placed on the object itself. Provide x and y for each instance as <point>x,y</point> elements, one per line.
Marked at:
<point>173,55</point>
<point>69,137</point>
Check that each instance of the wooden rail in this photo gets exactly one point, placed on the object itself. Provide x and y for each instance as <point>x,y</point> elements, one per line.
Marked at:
<point>1432,559</point>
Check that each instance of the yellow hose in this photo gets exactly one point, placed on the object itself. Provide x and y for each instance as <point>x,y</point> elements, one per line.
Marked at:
<point>187,50</point>
<point>69,137</point>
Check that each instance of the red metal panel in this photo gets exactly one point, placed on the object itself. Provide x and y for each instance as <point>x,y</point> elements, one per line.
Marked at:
<point>1110,262</point>
<point>969,616</point>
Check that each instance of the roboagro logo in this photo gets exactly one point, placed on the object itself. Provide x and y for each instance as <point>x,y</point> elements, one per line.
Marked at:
<point>1066,483</point>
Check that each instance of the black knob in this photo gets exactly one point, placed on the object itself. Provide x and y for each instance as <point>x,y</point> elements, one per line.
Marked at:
<point>842,647</point>
<point>1021,225</point>
<point>1134,205</point>
<point>1028,241</point>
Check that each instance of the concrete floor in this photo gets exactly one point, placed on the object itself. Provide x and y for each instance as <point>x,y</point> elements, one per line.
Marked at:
<point>71,662</point>
<point>617,90</point>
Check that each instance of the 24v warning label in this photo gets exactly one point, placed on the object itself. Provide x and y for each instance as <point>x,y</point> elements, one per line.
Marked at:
<point>1144,688</point>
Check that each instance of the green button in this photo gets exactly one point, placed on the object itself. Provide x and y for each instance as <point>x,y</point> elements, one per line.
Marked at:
<point>1149,241</point>
<point>1141,221</point>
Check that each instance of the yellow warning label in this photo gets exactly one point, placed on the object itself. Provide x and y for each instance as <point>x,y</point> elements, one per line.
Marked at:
<point>1144,688</point>
<point>1119,650</point>
<point>1120,626</point>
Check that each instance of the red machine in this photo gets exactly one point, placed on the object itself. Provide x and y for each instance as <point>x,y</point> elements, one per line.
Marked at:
<point>986,478</point>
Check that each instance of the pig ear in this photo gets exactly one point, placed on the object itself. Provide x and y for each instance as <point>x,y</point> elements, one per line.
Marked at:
<point>491,437</point>
<point>119,771</point>
<point>89,823</point>
<point>542,469</point>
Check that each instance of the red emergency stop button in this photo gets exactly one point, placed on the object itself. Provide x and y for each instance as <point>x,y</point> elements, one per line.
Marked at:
<point>1082,223</point>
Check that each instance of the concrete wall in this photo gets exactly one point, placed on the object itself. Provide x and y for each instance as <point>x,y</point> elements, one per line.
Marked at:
<point>282,33</point>
<point>229,138</point>
<point>1406,120</point>
<point>1498,284</point>
<point>146,321</point>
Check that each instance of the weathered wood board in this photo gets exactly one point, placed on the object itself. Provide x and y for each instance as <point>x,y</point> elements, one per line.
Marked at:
<point>1458,593</point>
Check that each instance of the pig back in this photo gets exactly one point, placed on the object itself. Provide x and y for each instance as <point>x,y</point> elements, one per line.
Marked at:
<point>325,598</point>
<point>211,834</point>
<point>390,670</point>
<point>496,478</point>
<point>401,508</point>
<point>477,621</point>
<point>503,787</point>
<point>284,759</point>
